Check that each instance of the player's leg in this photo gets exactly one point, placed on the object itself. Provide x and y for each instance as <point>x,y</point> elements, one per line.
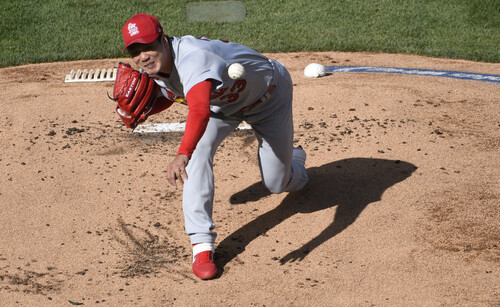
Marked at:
<point>280,171</point>
<point>198,193</point>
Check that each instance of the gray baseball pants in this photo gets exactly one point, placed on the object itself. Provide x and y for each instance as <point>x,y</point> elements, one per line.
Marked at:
<point>272,123</point>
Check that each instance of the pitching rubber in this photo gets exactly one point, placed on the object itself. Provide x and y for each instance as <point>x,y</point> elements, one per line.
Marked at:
<point>99,75</point>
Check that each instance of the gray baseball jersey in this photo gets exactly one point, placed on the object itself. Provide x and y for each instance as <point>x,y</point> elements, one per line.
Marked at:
<point>200,59</point>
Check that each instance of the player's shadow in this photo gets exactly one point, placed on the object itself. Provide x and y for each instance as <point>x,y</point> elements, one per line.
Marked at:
<point>349,184</point>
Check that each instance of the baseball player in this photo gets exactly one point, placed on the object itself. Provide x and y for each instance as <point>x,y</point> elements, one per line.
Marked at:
<point>197,70</point>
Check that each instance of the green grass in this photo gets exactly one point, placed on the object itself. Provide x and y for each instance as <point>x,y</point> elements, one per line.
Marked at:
<point>34,31</point>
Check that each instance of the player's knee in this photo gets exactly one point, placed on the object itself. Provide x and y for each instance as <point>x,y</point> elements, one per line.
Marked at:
<point>275,185</point>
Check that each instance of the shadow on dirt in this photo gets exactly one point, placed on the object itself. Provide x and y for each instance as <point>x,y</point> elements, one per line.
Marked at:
<point>349,184</point>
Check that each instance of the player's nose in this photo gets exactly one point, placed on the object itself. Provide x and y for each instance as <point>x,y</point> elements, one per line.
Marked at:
<point>143,56</point>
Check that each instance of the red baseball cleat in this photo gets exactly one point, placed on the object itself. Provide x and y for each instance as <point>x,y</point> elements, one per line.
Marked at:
<point>203,261</point>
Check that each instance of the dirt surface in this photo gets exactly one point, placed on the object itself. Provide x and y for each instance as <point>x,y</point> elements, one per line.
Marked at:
<point>401,208</point>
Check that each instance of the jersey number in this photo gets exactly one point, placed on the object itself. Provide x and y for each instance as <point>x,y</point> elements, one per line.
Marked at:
<point>232,95</point>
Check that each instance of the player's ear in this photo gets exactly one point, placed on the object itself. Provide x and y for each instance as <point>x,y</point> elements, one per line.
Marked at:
<point>162,39</point>
<point>165,44</point>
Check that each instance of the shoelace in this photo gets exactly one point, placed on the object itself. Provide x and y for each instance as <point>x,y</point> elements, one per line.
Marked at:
<point>204,257</point>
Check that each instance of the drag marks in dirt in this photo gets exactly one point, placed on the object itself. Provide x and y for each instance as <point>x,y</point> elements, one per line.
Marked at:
<point>30,281</point>
<point>148,254</point>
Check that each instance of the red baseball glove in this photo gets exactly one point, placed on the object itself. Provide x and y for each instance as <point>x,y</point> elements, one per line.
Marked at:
<point>135,93</point>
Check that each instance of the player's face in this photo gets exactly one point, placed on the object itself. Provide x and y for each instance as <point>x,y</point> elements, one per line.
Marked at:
<point>153,58</point>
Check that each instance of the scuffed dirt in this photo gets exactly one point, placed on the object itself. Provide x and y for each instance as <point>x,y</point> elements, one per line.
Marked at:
<point>401,209</point>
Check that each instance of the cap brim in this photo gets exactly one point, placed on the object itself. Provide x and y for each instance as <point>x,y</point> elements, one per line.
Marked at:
<point>141,40</point>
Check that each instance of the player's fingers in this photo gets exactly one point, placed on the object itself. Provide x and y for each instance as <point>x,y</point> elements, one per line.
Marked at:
<point>172,183</point>
<point>172,177</point>
<point>177,171</point>
<point>182,172</point>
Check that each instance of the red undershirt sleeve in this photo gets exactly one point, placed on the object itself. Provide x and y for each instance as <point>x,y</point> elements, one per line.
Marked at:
<point>198,101</point>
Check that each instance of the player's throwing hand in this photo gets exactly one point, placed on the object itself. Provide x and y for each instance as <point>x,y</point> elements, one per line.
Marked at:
<point>177,170</point>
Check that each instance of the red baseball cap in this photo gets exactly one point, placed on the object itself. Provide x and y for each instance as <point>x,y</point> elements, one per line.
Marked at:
<point>141,28</point>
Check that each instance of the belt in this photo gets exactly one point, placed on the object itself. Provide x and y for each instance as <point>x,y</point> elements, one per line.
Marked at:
<point>264,98</point>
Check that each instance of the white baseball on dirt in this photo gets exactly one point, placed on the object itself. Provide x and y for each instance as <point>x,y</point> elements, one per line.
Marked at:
<point>314,70</point>
<point>236,71</point>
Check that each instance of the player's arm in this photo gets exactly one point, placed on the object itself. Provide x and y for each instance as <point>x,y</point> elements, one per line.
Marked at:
<point>198,101</point>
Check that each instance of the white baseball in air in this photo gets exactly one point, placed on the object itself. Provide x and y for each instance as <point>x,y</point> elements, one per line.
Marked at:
<point>236,71</point>
<point>314,70</point>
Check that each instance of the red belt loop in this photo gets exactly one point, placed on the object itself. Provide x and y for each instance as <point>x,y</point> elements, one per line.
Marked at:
<point>261,100</point>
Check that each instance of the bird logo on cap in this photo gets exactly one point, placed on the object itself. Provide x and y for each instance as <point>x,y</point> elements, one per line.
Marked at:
<point>132,29</point>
